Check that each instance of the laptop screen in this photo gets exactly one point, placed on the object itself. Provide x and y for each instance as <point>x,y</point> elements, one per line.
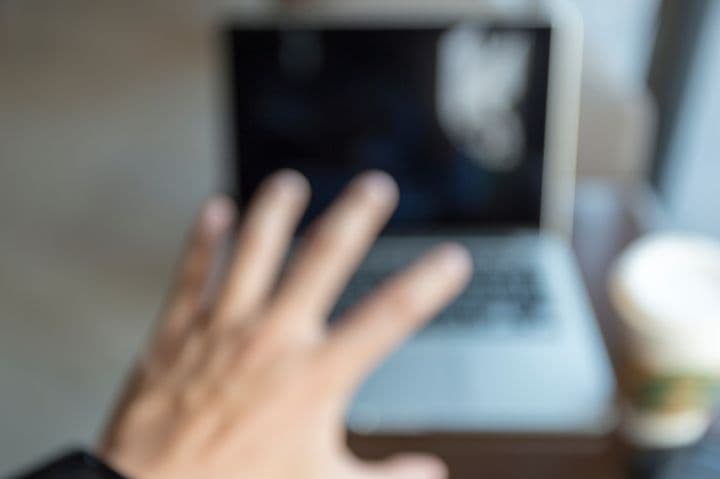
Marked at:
<point>455,114</point>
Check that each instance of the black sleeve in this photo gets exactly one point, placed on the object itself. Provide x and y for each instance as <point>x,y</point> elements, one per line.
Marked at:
<point>74,465</point>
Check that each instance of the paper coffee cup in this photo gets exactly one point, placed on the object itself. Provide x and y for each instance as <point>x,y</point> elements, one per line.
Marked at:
<point>666,290</point>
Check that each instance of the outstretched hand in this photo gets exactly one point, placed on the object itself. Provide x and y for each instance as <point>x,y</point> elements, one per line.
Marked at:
<point>243,379</point>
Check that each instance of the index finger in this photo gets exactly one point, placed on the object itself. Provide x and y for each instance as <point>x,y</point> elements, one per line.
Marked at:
<point>377,325</point>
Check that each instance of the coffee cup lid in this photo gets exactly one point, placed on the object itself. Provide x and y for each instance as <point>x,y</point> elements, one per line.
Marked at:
<point>669,283</point>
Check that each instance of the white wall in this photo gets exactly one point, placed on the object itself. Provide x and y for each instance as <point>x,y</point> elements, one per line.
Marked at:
<point>106,148</point>
<point>617,115</point>
<point>693,179</point>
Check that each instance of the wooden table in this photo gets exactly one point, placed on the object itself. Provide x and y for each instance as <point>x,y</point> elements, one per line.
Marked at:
<point>604,225</point>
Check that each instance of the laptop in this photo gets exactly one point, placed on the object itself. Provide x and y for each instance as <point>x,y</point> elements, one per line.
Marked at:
<point>475,117</point>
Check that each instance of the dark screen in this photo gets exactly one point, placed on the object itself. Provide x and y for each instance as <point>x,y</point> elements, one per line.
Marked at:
<point>456,115</point>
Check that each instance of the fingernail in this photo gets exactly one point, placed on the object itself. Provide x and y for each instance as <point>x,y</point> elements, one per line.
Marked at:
<point>288,181</point>
<point>435,469</point>
<point>421,467</point>
<point>377,186</point>
<point>455,259</point>
<point>218,213</point>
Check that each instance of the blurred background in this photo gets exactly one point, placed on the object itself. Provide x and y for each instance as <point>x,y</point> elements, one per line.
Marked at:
<point>111,136</point>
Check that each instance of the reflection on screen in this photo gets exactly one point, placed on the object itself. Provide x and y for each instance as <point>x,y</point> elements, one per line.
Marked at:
<point>456,115</point>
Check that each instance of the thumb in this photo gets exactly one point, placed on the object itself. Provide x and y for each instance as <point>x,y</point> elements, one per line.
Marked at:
<point>409,466</point>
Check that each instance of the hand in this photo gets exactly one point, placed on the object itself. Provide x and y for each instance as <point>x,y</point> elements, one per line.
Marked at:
<point>242,378</point>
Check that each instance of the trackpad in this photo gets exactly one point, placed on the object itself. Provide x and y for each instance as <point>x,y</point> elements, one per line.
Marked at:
<point>441,387</point>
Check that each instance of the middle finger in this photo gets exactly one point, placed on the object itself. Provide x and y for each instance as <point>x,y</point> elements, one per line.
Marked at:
<point>333,249</point>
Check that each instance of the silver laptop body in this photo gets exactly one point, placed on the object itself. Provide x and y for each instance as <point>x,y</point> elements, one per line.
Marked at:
<point>520,350</point>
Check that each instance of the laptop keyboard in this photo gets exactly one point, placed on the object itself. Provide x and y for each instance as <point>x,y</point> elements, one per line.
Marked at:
<point>495,298</point>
